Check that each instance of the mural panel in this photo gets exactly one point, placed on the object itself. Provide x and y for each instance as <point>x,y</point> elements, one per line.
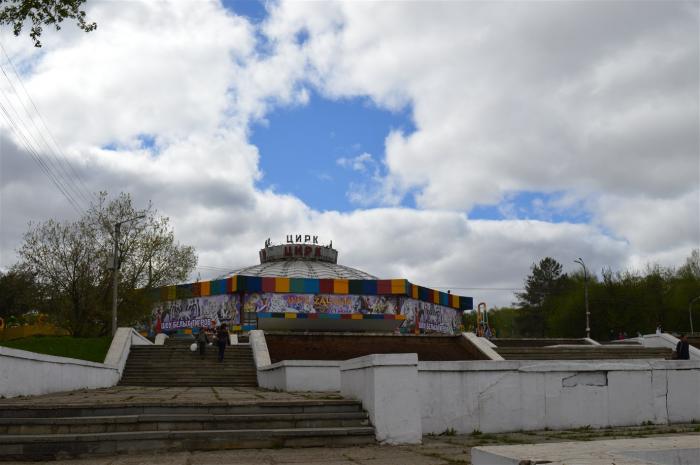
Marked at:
<point>321,303</point>
<point>197,312</point>
<point>432,318</point>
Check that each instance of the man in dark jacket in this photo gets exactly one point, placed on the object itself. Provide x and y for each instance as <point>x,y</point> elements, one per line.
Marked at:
<point>222,339</point>
<point>683,348</point>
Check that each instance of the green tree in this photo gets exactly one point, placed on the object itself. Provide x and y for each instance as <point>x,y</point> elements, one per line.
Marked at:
<point>545,280</point>
<point>18,293</point>
<point>42,13</point>
<point>71,263</point>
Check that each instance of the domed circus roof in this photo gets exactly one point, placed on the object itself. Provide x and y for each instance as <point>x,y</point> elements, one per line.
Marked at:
<point>303,269</point>
<point>305,260</point>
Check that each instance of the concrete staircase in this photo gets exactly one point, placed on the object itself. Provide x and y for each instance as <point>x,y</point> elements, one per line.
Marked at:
<point>617,352</point>
<point>48,433</point>
<point>175,365</point>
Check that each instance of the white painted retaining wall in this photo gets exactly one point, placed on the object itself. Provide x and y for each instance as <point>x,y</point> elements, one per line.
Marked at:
<point>24,373</point>
<point>301,375</point>
<point>387,385</point>
<point>504,396</point>
<point>500,396</point>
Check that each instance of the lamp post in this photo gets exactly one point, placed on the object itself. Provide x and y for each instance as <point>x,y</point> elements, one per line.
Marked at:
<point>116,264</point>
<point>690,312</point>
<point>585,293</point>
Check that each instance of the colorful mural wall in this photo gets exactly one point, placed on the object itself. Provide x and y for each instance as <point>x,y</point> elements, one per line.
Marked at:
<point>226,300</point>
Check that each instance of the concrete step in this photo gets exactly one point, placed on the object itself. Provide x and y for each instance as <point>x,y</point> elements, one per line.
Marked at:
<point>48,447</point>
<point>165,408</point>
<point>178,422</point>
<point>166,383</point>
<point>176,365</point>
<point>36,432</point>
<point>187,374</point>
<point>185,378</point>
<point>582,353</point>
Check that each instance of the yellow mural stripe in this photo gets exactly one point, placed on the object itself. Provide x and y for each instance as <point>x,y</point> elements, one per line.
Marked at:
<point>281,284</point>
<point>340,286</point>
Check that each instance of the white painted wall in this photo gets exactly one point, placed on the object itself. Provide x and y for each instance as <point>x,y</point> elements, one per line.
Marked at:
<point>504,396</point>
<point>387,385</point>
<point>24,373</point>
<point>301,375</point>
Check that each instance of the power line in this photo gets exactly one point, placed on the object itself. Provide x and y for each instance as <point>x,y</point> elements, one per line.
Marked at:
<point>479,288</point>
<point>56,172</point>
<point>63,157</point>
<point>30,149</point>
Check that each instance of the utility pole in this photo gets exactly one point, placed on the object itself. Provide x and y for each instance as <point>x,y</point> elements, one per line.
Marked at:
<point>690,313</point>
<point>116,264</point>
<point>585,294</point>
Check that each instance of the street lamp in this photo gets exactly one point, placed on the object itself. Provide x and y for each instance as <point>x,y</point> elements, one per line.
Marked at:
<point>585,291</point>
<point>117,264</point>
<point>690,313</point>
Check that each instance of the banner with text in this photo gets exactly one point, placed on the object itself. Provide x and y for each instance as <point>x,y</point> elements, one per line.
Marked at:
<point>431,317</point>
<point>198,312</point>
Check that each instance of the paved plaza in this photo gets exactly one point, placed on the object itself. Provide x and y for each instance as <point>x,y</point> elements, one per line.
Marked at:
<point>443,449</point>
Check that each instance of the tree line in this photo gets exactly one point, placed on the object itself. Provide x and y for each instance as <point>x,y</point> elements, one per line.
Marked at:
<point>552,303</point>
<point>65,269</point>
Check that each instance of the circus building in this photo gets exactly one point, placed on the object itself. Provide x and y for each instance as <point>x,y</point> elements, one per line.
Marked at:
<point>300,286</point>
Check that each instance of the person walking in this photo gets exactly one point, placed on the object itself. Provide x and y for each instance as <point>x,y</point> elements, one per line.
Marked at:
<point>223,340</point>
<point>202,341</point>
<point>683,348</point>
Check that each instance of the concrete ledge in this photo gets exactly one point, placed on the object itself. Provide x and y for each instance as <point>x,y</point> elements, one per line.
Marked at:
<point>527,366</point>
<point>119,349</point>
<point>483,345</point>
<point>259,347</point>
<point>377,360</point>
<point>667,341</point>
<point>302,363</point>
<point>37,357</point>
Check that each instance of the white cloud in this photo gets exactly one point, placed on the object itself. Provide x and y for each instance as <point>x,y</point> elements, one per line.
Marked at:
<point>358,163</point>
<point>595,102</point>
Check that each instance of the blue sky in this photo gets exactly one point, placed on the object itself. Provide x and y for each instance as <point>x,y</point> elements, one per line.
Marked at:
<point>254,10</point>
<point>305,150</point>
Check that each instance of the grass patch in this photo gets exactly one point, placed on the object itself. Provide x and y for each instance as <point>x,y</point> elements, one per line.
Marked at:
<point>93,349</point>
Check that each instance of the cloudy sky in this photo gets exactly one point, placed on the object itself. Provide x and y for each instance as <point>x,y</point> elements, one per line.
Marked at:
<point>450,143</point>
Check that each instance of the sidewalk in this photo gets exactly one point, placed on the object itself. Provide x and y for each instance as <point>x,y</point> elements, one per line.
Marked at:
<point>435,450</point>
